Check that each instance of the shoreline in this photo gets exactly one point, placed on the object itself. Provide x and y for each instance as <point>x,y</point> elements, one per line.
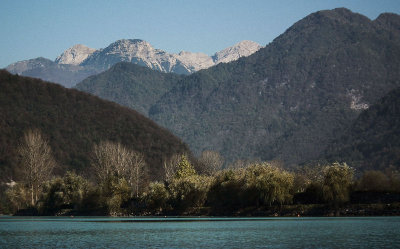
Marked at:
<point>297,210</point>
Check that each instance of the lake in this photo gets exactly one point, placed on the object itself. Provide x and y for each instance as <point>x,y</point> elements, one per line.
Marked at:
<point>105,232</point>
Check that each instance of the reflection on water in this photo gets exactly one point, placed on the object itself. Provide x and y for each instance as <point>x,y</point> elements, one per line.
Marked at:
<point>174,232</point>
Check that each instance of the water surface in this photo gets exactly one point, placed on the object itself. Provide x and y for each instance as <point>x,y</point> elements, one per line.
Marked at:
<point>105,232</point>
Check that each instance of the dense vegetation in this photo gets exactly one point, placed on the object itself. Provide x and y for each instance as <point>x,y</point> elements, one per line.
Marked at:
<point>131,85</point>
<point>74,122</point>
<point>256,189</point>
<point>373,140</point>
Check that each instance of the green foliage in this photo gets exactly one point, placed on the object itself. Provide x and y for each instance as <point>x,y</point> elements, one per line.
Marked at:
<point>73,122</point>
<point>67,192</point>
<point>337,182</point>
<point>259,187</point>
<point>184,168</point>
<point>266,184</point>
<point>255,185</point>
<point>226,190</point>
<point>157,197</point>
<point>187,192</point>
<point>17,197</point>
<point>121,193</point>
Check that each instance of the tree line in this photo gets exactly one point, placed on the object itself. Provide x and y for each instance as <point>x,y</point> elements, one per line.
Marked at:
<point>117,184</point>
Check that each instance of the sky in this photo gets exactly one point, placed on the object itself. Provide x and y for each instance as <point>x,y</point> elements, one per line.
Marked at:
<point>34,28</point>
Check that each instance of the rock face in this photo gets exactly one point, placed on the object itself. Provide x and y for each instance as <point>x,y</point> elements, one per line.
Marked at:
<point>75,55</point>
<point>241,49</point>
<point>133,50</point>
<point>79,61</point>
<point>193,62</point>
<point>142,53</point>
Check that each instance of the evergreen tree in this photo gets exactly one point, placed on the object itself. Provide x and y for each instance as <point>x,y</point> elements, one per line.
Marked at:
<point>185,169</point>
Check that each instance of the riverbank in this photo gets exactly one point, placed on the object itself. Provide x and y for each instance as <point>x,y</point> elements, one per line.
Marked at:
<point>309,210</point>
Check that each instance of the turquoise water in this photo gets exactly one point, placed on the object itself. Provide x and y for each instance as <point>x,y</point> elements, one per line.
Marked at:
<point>103,232</point>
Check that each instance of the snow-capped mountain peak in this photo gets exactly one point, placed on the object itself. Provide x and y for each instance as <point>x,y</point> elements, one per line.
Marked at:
<point>75,55</point>
<point>241,49</point>
<point>80,61</point>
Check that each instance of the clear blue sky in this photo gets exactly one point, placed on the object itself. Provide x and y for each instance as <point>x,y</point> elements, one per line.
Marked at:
<point>34,28</point>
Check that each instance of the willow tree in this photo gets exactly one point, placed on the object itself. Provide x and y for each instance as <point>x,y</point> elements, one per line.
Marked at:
<point>267,184</point>
<point>336,185</point>
<point>36,162</point>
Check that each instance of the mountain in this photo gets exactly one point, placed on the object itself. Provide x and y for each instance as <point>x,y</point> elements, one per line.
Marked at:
<point>42,68</point>
<point>75,55</point>
<point>142,53</point>
<point>192,62</point>
<point>291,99</point>
<point>133,50</point>
<point>73,122</point>
<point>79,61</point>
<point>139,88</point>
<point>131,85</point>
<point>241,49</point>
<point>373,140</point>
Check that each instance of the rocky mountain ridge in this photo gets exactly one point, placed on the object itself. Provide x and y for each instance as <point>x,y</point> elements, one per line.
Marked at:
<point>75,55</point>
<point>82,61</point>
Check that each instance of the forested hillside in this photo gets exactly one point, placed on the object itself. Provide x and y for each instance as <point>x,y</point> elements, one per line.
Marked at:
<point>373,140</point>
<point>131,85</point>
<point>73,122</point>
<point>291,99</point>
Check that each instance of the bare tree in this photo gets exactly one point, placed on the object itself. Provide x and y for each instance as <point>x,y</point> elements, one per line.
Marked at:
<point>239,164</point>
<point>113,159</point>
<point>171,166</point>
<point>135,173</point>
<point>211,162</point>
<point>36,161</point>
<point>103,161</point>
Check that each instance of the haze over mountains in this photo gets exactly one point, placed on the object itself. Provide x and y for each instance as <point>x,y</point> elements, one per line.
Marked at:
<point>79,61</point>
<point>290,100</point>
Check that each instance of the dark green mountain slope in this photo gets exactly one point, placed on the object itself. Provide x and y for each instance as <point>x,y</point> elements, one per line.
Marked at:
<point>289,100</point>
<point>73,122</point>
<point>130,85</point>
<point>373,140</point>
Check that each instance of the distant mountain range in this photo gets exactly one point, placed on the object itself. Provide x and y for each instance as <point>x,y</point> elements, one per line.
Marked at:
<point>73,122</point>
<point>79,61</point>
<point>289,101</point>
